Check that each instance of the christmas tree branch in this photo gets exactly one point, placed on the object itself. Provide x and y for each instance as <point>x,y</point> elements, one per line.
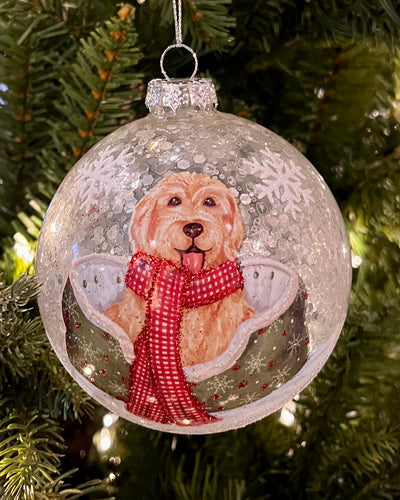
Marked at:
<point>28,459</point>
<point>21,74</point>
<point>101,85</point>
<point>208,23</point>
<point>37,392</point>
<point>372,22</point>
<point>60,489</point>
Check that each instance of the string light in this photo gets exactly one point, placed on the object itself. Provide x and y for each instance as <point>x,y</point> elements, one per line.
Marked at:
<point>23,249</point>
<point>287,416</point>
<point>105,440</point>
<point>109,419</point>
<point>356,260</point>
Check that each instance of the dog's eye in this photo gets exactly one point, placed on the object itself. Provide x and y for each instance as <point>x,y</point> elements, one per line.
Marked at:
<point>174,202</point>
<point>209,202</point>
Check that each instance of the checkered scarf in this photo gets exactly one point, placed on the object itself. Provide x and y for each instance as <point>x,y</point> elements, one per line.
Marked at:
<point>158,388</point>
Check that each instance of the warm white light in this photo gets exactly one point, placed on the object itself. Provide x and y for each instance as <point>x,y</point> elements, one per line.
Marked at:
<point>105,440</point>
<point>287,417</point>
<point>288,414</point>
<point>356,260</point>
<point>24,253</point>
<point>23,249</point>
<point>109,419</point>
<point>115,460</point>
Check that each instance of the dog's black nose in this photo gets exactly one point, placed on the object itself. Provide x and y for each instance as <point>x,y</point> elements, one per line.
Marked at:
<point>193,230</point>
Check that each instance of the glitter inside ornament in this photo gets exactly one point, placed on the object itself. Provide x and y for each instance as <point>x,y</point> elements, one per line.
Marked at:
<point>194,266</point>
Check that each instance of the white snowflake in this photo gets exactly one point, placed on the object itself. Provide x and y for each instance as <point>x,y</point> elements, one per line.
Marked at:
<point>294,344</point>
<point>255,363</point>
<point>97,178</point>
<point>281,180</point>
<point>71,306</point>
<point>280,376</point>
<point>250,398</point>
<point>221,384</point>
<point>87,349</point>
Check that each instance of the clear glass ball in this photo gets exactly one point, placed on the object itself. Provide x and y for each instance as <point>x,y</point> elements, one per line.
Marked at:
<point>192,191</point>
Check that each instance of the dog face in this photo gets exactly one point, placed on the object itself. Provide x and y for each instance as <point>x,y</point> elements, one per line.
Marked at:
<point>190,219</point>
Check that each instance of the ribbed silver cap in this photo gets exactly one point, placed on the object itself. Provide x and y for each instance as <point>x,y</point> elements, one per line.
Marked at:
<point>168,96</point>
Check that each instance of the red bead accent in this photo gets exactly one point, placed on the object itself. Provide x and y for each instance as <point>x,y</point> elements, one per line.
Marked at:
<point>215,397</point>
<point>236,367</point>
<point>85,361</point>
<point>105,357</point>
<point>106,335</point>
<point>103,372</point>
<point>306,296</point>
<point>307,341</point>
<point>284,333</point>
<point>242,384</point>
<point>271,364</point>
<point>221,408</point>
<point>265,386</point>
<point>124,380</point>
<point>78,325</point>
<point>261,331</point>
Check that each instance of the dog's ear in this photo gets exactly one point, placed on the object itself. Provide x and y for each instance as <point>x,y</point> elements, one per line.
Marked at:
<point>234,229</point>
<point>141,221</point>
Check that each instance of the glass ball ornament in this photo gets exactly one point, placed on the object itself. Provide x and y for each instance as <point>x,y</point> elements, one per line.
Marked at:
<point>195,267</point>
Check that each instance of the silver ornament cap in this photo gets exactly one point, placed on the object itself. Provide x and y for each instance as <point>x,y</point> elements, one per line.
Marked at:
<point>168,96</point>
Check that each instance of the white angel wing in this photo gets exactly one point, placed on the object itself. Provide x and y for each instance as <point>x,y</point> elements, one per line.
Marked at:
<point>269,287</point>
<point>98,281</point>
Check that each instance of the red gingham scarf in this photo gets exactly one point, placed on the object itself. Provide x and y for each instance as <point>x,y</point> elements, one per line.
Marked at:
<point>158,388</point>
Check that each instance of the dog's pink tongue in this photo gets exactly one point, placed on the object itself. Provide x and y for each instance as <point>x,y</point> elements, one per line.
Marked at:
<point>193,261</point>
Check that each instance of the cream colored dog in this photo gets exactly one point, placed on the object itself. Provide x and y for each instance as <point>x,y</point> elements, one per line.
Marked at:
<point>193,221</point>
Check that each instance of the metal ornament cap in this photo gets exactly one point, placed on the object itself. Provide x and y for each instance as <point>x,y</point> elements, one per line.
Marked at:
<point>168,96</point>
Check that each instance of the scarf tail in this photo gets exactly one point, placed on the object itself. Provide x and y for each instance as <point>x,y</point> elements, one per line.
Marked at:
<point>182,407</point>
<point>158,387</point>
<point>142,396</point>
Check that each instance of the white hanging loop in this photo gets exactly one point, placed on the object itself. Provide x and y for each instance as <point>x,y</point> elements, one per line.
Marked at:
<point>177,6</point>
<point>177,46</point>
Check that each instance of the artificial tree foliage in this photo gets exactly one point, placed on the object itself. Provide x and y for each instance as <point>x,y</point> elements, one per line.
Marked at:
<point>324,75</point>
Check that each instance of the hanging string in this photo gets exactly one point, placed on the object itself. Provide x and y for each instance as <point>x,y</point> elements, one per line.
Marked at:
<point>177,7</point>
